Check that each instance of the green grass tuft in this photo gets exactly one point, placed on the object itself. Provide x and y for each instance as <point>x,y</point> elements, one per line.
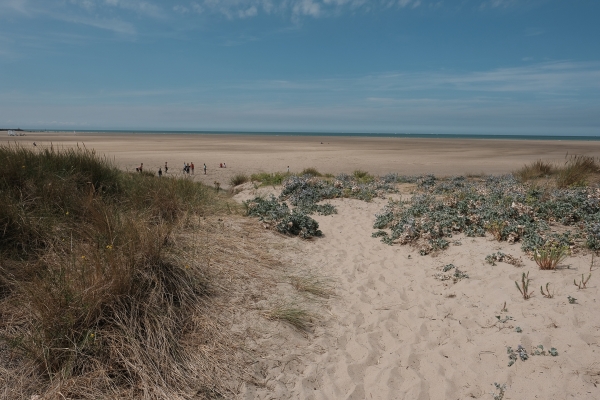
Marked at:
<point>238,179</point>
<point>270,179</point>
<point>310,172</point>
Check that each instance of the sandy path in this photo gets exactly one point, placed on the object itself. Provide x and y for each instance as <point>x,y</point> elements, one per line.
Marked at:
<point>395,332</point>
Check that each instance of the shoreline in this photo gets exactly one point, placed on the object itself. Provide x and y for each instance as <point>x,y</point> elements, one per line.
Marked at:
<point>339,135</point>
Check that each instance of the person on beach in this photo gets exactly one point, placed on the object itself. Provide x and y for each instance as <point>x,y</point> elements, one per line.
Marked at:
<point>141,167</point>
<point>288,169</point>
<point>221,165</point>
<point>166,168</point>
<point>159,172</point>
<point>204,168</point>
<point>224,165</point>
<point>192,167</point>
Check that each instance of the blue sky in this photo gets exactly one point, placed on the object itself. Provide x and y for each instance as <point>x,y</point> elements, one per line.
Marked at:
<point>422,66</point>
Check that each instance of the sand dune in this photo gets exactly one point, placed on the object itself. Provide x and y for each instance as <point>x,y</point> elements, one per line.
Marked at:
<point>395,332</point>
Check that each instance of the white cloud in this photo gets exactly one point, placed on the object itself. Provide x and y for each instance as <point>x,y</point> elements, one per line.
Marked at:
<point>181,9</point>
<point>307,7</point>
<point>19,6</point>
<point>250,12</point>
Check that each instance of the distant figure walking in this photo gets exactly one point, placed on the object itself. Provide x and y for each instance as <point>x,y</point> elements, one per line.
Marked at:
<point>192,167</point>
<point>221,165</point>
<point>224,165</point>
<point>35,145</point>
<point>159,171</point>
<point>140,168</point>
<point>288,169</point>
<point>166,168</point>
<point>204,168</point>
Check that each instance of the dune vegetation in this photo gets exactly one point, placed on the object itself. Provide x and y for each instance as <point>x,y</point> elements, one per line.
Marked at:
<point>110,282</point>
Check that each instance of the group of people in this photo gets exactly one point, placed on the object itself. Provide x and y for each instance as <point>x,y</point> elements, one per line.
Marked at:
<point>187,168</point>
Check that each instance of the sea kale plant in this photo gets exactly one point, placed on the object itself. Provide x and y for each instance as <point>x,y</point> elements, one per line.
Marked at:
<point>500,206</point>
<point>305,192</point>
<point>279,216</point>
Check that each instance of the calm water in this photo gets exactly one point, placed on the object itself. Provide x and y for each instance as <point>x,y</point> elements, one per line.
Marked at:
<point>348,134</point>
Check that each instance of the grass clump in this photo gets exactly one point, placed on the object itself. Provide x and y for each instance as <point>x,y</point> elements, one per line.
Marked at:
<point>270,179</point>
<point>537,169</point>
<point>313,284</point>
<point>576,171</point>
<point>112,303</point>
<point>524,287</point>
<point>238,179</point>
<point>294,315</point>
<point>310,172</point>
<point>549,256</point>
<point>362,176</point>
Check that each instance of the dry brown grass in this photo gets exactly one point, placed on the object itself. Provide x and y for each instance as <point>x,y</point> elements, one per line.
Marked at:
<point>127,293</point>
<point>577,170</point>
<point>163,346</point>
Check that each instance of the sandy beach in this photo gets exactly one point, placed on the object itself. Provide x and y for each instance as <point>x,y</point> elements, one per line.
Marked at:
<point>392,330</point>
<point>251,154</point>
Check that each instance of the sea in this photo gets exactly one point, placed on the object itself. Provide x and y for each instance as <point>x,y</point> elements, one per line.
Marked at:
<point>346,134</point>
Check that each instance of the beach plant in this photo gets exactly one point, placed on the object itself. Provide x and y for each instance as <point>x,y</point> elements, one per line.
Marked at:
<point>547,294</point>
<point>270,179</point>
<point>455,276</point>
<point>316,285</point>
<point>94,286</point>
<point>549,256</point>
<point>499,205</point>
<point>505,319</point>
<point>501,390</point>
<point>310,172</point>
<point>537,169</point>
<point>278,215</point>
<point>576,171</point>
<point>293,314</point>
<point>238,179</point>
<point>524,287</point>
<point>502,257</point>
<point>583,282</point>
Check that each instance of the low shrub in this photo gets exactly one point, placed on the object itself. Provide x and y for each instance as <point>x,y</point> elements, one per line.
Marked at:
<point>238,179</point>
<point>534,170</point>
<point>549,256</point>
<point>310,172</point>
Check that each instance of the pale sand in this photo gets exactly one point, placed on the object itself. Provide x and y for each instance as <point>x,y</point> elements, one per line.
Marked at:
<point>250,154</point>
<point>393,331</point>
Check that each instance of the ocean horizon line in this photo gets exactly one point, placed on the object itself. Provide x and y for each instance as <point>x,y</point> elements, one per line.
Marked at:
<point>329,134</point>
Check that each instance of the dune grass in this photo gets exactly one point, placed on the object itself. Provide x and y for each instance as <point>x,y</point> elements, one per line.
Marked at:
<point>292,314</point>
<point>577,170</point>
<point>238,179</point>
<point>537,169</point>
<point>310,171</point>
<point>270,179</point>
<point>313,284</point>
<point>97,297</point>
